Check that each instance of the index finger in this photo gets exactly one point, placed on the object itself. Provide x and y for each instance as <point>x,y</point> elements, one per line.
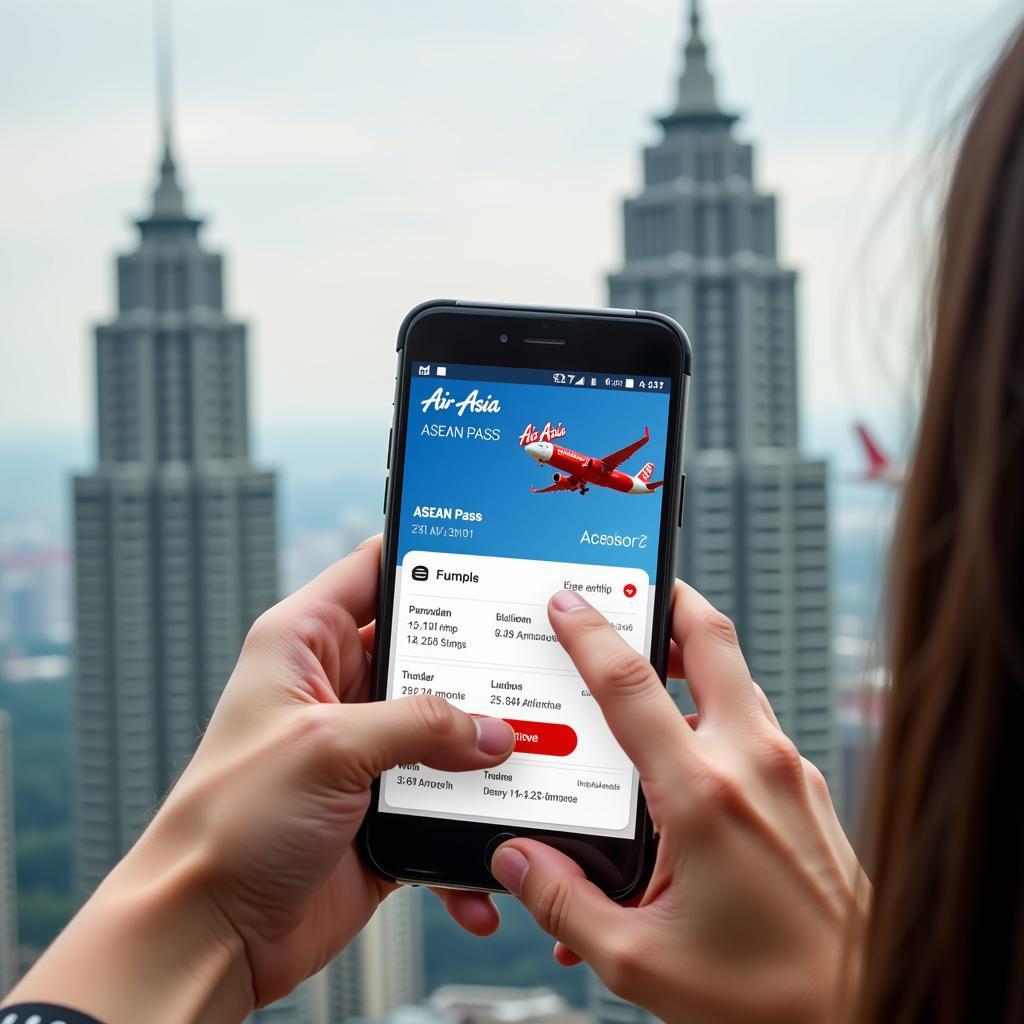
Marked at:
<point>716,671</point>
<point>636,705</point>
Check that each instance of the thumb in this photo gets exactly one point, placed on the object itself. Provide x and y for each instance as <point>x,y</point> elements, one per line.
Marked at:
<point>561,899</point>
<point>423,729</point>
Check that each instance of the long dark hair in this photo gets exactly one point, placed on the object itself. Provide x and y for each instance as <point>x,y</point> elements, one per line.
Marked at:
<point>946,938</point>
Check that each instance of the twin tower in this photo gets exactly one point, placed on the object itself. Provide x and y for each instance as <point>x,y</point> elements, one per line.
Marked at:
<point>700,245</point>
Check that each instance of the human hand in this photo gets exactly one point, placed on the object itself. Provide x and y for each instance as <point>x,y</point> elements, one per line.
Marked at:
<point>756,900</point>
<point>248,881</point>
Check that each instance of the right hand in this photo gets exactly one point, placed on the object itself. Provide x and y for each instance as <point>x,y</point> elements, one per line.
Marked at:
<point>755,907</point>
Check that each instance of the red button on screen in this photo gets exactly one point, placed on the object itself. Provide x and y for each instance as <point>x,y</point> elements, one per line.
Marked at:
<point>543,738</point>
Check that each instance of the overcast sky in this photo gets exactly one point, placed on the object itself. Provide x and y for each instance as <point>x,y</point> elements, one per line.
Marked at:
<point>355,158</point>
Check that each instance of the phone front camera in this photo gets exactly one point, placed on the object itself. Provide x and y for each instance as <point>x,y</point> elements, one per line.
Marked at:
<point>504,339</point>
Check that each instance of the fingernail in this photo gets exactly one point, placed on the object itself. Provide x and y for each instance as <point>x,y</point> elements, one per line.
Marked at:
<point>568,601</point>
<point>509,867</point>
<point>493,736</point>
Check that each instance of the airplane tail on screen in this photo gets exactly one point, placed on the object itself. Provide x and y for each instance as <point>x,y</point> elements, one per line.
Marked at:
<point>644,482</point>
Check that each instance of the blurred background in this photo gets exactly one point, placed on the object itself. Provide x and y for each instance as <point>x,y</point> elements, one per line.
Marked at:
<point>185,437</point>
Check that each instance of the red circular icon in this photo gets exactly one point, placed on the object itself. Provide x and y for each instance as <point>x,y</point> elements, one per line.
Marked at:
<point>629,590</point>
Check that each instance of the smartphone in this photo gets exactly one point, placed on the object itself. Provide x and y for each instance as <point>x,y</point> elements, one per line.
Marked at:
<point>532,450</point>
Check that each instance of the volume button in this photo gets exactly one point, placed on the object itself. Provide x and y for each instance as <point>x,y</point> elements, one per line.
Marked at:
<point>387,481</point>
<point>682,497</point>
<point>391,430</point>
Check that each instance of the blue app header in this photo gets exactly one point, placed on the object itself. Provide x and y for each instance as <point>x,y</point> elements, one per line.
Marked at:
<point>534,471</point>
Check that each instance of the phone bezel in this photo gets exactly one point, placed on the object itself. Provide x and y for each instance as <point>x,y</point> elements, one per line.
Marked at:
<point>455,853</point>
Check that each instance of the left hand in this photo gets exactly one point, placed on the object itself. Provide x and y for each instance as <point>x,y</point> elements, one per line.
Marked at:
<point>248,881</point>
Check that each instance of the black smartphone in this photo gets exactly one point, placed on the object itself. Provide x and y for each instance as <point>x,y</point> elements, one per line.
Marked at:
<point>533,450</point>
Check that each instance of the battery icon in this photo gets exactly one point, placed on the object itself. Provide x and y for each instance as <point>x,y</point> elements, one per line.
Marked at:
<point>593,382</point>
<point>629,383</point>
<point>442,371</point>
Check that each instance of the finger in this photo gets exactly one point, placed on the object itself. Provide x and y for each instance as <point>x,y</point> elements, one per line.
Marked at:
<point>473,911</point>
<point>354,688</point>
<point>368,634</point>
<point>350,584</point>
<point>635,703</point>
<point>563,902</point>
<point>419,730</point>
<point>766,706</point>
<point>716,671</point>
<point>565,956</point>
<point>676,669</point>
<point>357,688</point>
<point>825,812</point>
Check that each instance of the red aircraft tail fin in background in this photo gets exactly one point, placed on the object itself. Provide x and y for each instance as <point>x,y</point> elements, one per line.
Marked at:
<point>878,461</point>
<point>646,473</point>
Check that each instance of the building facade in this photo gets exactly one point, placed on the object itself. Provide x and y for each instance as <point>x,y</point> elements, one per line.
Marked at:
<point>700,245</point>
<point>175,530</point>
<point>175,555</point>
<point>382,968</point>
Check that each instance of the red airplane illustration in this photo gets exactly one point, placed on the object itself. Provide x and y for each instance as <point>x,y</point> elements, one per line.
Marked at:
<point>880,469</point>
<point>577,471</point>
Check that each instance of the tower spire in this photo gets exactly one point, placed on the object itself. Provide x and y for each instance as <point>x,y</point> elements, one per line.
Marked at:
<point>164,73</point>
<point>696,84</point>
<point>168,200</point>
<point>694,19</point>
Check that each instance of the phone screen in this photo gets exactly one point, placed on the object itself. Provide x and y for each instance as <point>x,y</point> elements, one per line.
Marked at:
<point>518,483</point>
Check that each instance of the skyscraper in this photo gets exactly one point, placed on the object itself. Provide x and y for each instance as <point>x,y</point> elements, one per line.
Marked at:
<point>700,245</point>
<point>392,954</point>
<point>382,969</point>
<point>175,556</point>
<point>8,888</point>
<point>174,530</point>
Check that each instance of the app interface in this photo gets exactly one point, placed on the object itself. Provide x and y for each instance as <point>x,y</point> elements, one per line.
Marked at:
<point>517,484</point>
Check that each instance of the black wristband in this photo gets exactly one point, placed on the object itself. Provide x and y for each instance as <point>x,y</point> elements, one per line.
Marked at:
<point>43,1013</point>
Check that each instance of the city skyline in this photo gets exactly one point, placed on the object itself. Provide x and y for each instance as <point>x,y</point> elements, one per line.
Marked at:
<point>451,220</point>
<point>159,434</point>
<point>155,442</point>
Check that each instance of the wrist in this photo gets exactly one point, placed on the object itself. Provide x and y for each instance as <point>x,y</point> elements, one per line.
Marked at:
<point>150,944</point>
